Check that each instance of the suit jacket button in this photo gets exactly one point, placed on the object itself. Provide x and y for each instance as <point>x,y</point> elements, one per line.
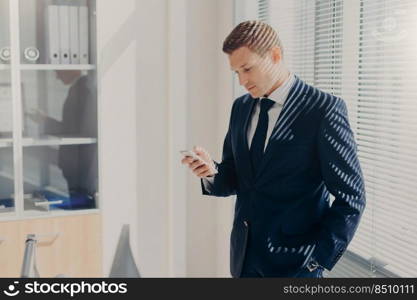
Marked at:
<point>246,223</point>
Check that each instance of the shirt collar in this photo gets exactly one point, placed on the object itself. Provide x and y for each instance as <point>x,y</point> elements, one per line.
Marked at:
<point>280,94</point>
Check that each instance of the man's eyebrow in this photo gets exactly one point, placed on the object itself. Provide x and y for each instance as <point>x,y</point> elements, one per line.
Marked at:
<point>241,66</point>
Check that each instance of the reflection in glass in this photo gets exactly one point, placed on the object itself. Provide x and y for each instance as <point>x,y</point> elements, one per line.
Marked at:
<point>6,180</point>
<point>6,144</point>
<point>60,157</point>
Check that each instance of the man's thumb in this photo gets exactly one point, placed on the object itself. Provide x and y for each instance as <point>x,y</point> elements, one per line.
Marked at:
<point>199,151</point>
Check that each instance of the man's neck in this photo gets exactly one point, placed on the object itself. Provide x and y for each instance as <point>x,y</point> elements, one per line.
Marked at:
<point>279,82</point>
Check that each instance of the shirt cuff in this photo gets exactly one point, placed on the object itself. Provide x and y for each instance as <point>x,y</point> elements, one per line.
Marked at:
<point>312,262</point>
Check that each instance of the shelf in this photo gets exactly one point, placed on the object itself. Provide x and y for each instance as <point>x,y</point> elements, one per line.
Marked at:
<point>48,188</point>
<point>40,67</point>
<point>6,210</point>
<point>5,143</point>
<point>56,67</point>
<point>7,175</point>
<point>57,141</point>
<point>49,141</point>
<point>31,214</point>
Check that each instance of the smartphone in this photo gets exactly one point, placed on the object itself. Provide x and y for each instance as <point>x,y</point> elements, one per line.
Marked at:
<point>193,155</point>
<point>190,153</point>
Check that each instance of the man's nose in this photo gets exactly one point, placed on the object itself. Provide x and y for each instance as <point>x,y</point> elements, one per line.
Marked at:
<point>243,80</point>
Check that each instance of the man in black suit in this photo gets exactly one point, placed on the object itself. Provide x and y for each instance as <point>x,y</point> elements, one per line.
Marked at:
<point>79,119</point>
<point>288,147</point>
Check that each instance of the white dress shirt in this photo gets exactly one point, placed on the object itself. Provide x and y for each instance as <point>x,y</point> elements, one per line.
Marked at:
<point>278,96</point>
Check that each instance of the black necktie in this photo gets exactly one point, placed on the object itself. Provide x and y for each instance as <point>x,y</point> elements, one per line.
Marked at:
<point>258,141</point>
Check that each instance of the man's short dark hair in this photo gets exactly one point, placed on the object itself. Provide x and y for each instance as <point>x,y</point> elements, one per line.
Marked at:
<point>258,36</point>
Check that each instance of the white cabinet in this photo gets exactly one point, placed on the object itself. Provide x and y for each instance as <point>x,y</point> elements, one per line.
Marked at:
<point>49,135</point>
<point>48,108</point>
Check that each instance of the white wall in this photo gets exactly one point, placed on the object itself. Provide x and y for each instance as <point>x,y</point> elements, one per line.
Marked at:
<point>163,84</point>
<point>132,43</point>
<point>210,97</point>
<point>202,101</point>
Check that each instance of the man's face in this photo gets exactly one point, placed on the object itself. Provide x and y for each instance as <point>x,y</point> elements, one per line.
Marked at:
<point>257,74</point>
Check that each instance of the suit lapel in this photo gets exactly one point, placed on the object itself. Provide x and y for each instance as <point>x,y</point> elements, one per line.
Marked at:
<point>290,111</point>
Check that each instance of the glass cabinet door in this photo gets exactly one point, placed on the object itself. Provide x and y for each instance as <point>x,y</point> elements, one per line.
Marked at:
<point>59,104</point>
<point>6,144</point>
<point>59,140</point>
<point>7,203</point>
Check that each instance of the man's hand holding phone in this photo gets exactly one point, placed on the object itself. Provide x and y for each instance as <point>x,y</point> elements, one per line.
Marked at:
<point>199,161</point>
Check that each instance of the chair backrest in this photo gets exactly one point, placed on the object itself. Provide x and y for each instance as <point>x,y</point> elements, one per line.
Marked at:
<point>29,269</point>
<point>123,262</point>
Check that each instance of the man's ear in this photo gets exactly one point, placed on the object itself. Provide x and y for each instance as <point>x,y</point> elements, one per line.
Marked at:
<point>276,54</point>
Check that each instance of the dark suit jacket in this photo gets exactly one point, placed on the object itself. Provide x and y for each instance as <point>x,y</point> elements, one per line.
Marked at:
<point>285,209</point>
<point>79,118</point>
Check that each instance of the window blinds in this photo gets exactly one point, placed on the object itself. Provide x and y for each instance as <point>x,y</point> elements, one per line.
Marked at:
<point>263,10</point>
<point>387,130</point>
<point>365,52</point>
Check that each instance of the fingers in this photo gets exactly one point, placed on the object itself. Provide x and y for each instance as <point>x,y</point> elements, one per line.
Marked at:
<point>199,167</point>
<point>196,164</point>
<point>202,171</point>
<point>187,160</point>
<point>205,174</point>
<point>192,163</point>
